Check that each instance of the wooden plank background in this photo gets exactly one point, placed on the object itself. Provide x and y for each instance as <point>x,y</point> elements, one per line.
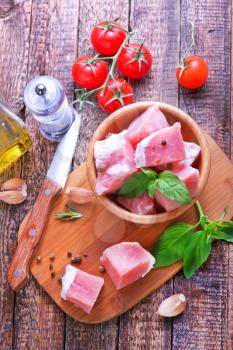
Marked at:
<point>44,37</point>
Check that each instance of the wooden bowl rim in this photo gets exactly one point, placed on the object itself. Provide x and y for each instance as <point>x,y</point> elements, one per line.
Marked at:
<point>153,218</point>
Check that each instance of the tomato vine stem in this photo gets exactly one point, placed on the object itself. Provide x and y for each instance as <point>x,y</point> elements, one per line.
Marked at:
<point>110,74</point>
<point>82,94</point>
<point>183,64</point>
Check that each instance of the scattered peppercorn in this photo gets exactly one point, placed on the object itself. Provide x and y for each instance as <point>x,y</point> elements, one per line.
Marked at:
<point>76,259</point>
<point>101,268</point>
<point>59,278</point>
<point>39,259</point>
<point>50,266</point>
<point>53,274</point>
<point>52,256</point>
<point>85,255</point>
<point>163,142</point>
<point>69,254</point>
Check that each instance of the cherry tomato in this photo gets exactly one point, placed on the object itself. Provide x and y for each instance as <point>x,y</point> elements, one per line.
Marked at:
<point>107,37</point>
<point>118,93</point>
<point>134,61</point>
<point>89,72</point>
<point>192,73</point>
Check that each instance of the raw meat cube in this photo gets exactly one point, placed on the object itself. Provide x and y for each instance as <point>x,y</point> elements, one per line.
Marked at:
<point>150,121</point>
<point>126,262</point>
<point>190,176</point>
<point>142,205</point>
<point>81,288</point>
<point>114,159</point>
<point>162,147</point>
<point>192,151</point>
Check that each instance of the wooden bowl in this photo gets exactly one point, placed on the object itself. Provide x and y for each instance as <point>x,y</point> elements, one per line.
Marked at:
<point>119,121</point>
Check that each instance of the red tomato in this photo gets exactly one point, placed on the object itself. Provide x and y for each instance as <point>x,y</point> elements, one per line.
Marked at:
<point>134,61</point>
<point>89,72</point>
<point>195,72</point>
<point>107,37</point>
<point>118,93</point>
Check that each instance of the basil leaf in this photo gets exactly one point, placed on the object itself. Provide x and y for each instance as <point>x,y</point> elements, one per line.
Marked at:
<point>225,236</point>
<point>196,252</point>
<point>151,188</point>
<point>135,185</point>
<point>171,244</point>
<point>149,173</point>
<point>172,187</point>
<point>226,224</point>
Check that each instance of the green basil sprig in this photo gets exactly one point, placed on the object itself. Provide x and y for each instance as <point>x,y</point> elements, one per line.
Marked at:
<point>191,243</point>
<point>148,180</point>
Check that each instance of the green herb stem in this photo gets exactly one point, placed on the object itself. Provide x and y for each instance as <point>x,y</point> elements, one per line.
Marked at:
<point>200,211</point>
<point>72,214</point>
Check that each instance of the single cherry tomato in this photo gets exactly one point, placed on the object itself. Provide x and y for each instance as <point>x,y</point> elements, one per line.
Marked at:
<point>89,72</point>
<point>117,94</point>
<point>107,37</point>
<point>192,73</point>
<point>134,61</point>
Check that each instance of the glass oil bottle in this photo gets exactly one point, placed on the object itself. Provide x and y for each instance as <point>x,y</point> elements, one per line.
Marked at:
<point>14,137</point>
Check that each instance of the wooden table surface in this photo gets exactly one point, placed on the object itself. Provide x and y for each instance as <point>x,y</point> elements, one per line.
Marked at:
<point>44,37</point>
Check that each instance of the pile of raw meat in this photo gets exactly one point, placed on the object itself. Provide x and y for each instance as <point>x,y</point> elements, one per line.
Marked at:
<point>150,142</point>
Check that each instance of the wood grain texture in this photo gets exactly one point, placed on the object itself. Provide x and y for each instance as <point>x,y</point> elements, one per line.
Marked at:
<point>15,28</point>
<point>39,324</point>
<point>156,23</point>
<point>91,12</point>
<point>204,324</point>
<point>99,229</point>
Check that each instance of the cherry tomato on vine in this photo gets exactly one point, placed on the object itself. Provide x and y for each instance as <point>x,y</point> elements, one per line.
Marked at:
<point>192,73</point>
<point>107,37</point>
<point>134,61</point>
<point>117,94</point>
<point>89,72</point>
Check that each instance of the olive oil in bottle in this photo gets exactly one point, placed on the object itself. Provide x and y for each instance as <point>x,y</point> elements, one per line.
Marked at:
<point>14,137</point>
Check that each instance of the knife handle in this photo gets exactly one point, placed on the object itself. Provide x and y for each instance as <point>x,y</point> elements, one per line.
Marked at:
<point>18,273</point>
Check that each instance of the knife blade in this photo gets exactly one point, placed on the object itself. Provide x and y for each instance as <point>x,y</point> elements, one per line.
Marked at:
<point>53,184</point>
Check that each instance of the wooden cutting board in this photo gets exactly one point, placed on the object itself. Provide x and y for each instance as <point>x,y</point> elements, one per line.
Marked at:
<point>99,229</point>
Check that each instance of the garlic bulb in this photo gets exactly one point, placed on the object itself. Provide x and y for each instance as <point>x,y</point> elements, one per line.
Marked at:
<point>13,197</point>
<point>80,195</point>
<point>172,306</point>
<point>14,185</point>
<point>13,191</point>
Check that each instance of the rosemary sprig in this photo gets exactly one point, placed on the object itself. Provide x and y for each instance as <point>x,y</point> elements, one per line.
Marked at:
<point>72,214</point>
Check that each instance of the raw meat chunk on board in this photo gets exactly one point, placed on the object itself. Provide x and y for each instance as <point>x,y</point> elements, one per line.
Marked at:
<point>81,288</point>
<point>126,262</point>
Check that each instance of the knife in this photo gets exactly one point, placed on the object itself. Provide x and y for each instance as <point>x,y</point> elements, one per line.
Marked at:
<point>53,184</point>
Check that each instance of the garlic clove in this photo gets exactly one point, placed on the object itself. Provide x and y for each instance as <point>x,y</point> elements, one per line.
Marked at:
<point>14,184</point>
<point>13,197</point>
<point>80,195</point>
<point>172,306</point>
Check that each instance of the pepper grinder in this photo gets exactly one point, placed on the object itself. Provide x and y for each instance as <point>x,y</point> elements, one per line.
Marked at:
<point>45,98</point>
